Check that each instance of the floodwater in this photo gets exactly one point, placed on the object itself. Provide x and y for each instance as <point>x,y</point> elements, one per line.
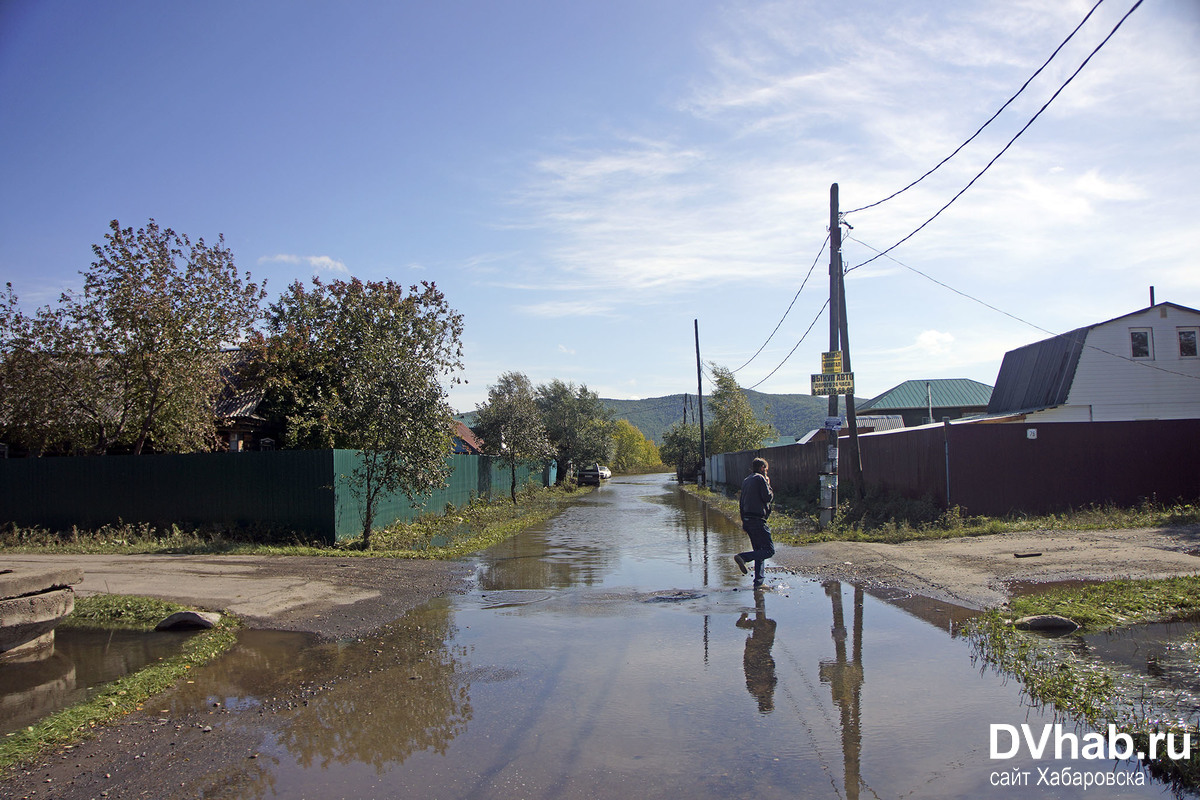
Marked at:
<point>81,661</point>
<point>617,652</point>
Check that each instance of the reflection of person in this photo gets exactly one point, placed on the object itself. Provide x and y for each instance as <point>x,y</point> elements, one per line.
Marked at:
<point>757,660</point>
<point>755,506</point>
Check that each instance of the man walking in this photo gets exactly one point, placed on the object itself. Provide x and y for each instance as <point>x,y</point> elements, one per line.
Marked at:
<point>755,506</point>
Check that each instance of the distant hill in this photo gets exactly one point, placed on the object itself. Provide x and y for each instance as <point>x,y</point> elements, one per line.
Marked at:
<point>792,414</point>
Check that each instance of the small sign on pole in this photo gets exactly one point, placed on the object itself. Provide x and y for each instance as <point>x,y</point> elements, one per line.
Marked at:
<point>831,363</point>
<point>836,383</point>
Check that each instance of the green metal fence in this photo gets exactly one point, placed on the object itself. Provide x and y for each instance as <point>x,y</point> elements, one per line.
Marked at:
<point>305,491</point>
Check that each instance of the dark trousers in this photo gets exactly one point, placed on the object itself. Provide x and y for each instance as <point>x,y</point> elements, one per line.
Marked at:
<point>760,540</point>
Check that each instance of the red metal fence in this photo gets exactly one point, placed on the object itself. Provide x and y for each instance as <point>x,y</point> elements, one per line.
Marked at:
<point>1001,468</point>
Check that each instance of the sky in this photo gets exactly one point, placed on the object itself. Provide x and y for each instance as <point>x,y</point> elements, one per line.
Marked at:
<point>587,181</point>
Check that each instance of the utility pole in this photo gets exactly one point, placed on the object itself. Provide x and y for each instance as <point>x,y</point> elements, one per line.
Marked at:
<point>699,406</point>
<point>829,480</point>
<point>856,476</point>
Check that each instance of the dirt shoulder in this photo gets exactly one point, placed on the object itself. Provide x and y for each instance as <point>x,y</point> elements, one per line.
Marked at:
<point>982,571</point>
<point>335,598</point>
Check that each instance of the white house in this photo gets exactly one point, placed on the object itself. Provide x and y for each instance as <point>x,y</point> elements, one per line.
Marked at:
<point>1144,365</point>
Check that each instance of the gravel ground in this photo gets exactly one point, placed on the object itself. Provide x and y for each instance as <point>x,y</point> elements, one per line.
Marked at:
<point>983,571</point>
<point>146,756</point>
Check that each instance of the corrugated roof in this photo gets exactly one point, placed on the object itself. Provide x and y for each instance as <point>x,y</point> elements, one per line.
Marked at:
<point>946,393</point>
<point>1038,375</point>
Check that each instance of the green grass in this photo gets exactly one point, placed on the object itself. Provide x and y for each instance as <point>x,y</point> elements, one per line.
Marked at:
<point>476,526</point>
<point>1083,688</point>
<point>890,518</point>
<point>457,532</point>
<point>1116,603</point>
<point>126,694</point>
<point>454,533</point>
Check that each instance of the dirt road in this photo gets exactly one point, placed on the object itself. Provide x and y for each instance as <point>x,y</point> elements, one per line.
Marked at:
<point>983,571</point>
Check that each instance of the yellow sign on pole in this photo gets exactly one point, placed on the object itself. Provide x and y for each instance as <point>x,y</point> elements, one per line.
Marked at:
<point>831,363</point>
<point>837,383</point>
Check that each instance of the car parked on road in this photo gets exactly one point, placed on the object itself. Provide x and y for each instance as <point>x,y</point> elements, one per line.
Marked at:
<point>593,474</point>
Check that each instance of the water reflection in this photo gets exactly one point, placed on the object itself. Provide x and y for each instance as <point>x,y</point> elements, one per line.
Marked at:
<point>74,668</point>
<point>757,661</point>
<point>844,675</point>
<point>401,693</point>
<point>599,658</point>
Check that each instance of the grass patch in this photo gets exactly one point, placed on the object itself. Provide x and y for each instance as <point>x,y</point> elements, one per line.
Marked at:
<point>476,526</point>
<point>1116,603</point>
<point>127,694</point>
<point>1089,691</point>
<point>890,518</point>
<point>456,532</point>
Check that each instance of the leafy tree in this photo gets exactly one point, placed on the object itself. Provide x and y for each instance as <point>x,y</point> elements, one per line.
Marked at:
<point>632,449</point>
<point>134,360</point>
<point>681,447</point>
<point>358,365</point>
<point>734,426</point>
<point>578,423</point>
<point>511,427</point>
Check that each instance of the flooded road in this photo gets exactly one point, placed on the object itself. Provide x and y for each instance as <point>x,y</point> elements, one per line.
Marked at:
<point>617,652</point>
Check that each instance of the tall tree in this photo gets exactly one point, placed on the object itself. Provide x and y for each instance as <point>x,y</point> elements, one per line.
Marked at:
<point>511,426</point>
<point>358,365</point>
<point>734,426</point>
<point>681,447</point>
<point>578,423</point>
<point>135,359</point>
<point>632,449</point>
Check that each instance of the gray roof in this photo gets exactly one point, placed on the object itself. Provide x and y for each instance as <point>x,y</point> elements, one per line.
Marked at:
<point>1039,375</point>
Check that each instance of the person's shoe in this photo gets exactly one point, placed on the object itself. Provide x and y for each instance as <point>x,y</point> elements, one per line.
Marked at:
<point>741,564</point>
<point>758,584</point>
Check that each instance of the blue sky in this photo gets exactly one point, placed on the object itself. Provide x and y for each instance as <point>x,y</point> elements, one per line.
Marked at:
<point>584,179</point>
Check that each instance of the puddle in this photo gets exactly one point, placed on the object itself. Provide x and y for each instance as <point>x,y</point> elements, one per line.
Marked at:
<point>81,662</point>
<point>617,651</point>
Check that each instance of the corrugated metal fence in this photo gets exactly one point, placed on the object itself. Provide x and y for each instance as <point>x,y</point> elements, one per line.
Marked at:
<point>307,491</point>
<point>1001,468</point>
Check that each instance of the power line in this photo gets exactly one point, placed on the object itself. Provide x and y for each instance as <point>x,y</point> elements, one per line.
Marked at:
<point>789,308</point>
<point>1011,141</point>
<point>974,299</point>
<point>990,119</point>
<point>793,350</point>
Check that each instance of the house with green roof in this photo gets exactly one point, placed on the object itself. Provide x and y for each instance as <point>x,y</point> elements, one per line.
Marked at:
<point>920,402</point>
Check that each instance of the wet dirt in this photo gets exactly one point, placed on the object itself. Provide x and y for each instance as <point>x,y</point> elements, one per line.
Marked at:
<point>615,651</point>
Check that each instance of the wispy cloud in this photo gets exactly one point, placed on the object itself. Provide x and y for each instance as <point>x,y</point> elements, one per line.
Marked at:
<point>566,308</point>
<point>317,263</point>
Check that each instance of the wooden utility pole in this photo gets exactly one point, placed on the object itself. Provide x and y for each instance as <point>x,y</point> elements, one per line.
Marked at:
<point>855,474</point>
<point>829,480</point>
<point>699,406</point>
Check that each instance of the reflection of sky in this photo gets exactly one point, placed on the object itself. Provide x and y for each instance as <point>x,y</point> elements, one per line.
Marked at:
<point>582,674</point>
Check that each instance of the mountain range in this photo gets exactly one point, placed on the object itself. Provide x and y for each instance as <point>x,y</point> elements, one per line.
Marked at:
<point>793,415</point>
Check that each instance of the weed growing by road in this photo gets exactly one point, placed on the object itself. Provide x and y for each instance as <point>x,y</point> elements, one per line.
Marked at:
<point>1054,674</point>
<point>126,694</point>
<point>891,518</point>
<point>455,532</point>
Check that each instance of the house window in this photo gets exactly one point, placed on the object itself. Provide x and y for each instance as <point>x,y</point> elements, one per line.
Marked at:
<point>1188,343</point>
<point>1141,343</point>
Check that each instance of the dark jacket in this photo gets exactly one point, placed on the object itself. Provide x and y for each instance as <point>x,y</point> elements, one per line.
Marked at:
<point>756,497</point>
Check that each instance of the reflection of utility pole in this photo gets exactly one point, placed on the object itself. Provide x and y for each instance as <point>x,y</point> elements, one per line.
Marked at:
<point>699,406</point>
<point>845,679</point>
